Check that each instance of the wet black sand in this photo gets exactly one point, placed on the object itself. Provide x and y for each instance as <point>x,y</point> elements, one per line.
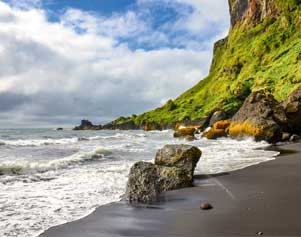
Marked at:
<point>263,198</point>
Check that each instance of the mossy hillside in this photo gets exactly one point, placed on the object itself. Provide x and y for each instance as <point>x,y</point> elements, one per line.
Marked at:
<point>264,56</point>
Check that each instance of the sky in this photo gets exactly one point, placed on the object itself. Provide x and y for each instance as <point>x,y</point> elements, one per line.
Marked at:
<point>65,60</point>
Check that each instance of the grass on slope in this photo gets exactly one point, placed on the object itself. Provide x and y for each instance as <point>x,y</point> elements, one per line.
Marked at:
<point>267,56</point>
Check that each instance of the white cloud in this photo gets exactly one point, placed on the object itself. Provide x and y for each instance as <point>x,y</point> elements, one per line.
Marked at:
<point>78,67</point>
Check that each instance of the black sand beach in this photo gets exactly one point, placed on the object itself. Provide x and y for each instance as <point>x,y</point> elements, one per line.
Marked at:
<point>262,199</point>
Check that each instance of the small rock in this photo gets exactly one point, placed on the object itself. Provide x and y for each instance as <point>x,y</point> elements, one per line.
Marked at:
<point>80,139</point>
<point>206,206</point>
<point>259,233</point>
<point>190,138</point>
<point>286,137</point>
<point>295,138</point>
<point>186,131</point>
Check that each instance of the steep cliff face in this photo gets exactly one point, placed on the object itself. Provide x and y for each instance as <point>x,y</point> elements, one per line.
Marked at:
<point>254,11</point>
<point>262,51</point>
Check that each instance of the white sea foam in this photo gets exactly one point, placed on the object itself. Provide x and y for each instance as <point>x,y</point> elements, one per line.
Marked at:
<point>66,141</point>
<point>47,191</point>
<point>19,167</point>
<point>38,142</point>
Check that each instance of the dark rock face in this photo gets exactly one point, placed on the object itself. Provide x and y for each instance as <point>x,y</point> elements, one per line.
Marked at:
<point>217,116</point>
<point>173,169</point>
<point>261,117</point>
<point>87,125</point>
<point>130,125</point>
<point>292,107</point>
<point>237,10</point>
<point>151,126</point>
<point>252,10</point>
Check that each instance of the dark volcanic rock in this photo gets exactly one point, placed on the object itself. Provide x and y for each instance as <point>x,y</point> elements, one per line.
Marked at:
<point>173,169</point>
<point>292,107</point>
<point>129,125</point>
<point>150,126</point>
<point>261,117</point>
<point>87,125</point>
<point>217,116</point>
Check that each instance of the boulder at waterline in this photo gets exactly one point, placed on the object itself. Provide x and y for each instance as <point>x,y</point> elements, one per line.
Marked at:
<point>173,169</point>
<point>143,183</point>
<point>181,156</point>
<point>87,125</point>
<point>219,129</point>
<point>292,107</point>
<point>261,117</point>
<point>217,116</point>
<point>185,132</point>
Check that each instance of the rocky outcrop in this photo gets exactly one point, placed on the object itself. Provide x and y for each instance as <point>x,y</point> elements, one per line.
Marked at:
<point>217,116</point>
<point>186,132</point>
<point>261,117</point>
<point>150,126</point>
<point>254,11</point>
<point>173,169</point>
<point>292,107</point>
<point>128,125</point>
<point>219,129</point>
<point>87,125</point>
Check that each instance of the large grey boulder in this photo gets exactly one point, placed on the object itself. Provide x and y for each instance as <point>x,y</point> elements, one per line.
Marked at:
<point>142,185</point>
<point>184,157</point>
<point>261,117</point>
<point>173,169</point>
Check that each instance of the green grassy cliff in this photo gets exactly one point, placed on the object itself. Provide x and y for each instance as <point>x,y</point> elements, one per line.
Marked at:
<point>262,51</point>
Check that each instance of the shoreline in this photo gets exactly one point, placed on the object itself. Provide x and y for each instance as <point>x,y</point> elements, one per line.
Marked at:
<point>260,198</point>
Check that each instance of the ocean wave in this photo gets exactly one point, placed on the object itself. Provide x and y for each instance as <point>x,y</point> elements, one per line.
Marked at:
<point>64,141</point>
<point>126,136</point>
<point>22,167</point>
<point>38,142</point>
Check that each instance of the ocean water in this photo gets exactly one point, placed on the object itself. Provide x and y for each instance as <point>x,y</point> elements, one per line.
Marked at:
<point>52,177</point>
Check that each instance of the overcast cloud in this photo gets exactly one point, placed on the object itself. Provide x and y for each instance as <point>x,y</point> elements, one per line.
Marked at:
<point>85,65</point>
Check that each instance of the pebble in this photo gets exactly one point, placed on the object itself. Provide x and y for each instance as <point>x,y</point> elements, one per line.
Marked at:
<point>259,233</point>
<point>206,206</point>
